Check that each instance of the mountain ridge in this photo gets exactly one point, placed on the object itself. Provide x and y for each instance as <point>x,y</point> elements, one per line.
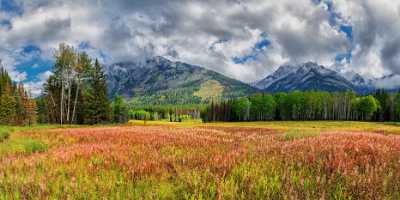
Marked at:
<point>159,80</point>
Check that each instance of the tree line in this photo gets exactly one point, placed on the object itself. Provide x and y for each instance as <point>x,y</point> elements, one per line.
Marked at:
<point>76,92</point>
<point>17,107</point>
<point>308,105</point>
<point>167,112</point>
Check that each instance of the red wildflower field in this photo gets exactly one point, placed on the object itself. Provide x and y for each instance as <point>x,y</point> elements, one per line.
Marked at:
<point>158,162</point>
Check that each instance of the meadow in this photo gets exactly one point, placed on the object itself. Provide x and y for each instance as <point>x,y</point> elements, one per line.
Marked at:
<point>193,160</point>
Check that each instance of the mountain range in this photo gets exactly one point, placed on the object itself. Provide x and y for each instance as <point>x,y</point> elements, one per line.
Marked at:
<point>311,76</point>
<point>159,80</point>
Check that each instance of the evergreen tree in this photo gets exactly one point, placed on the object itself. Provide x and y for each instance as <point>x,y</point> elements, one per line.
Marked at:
<point>7,107</point>
<point>385,111</point>
<point>14,101</point>
<point>396,106</point>
<point>42,110</point>
<point>99,85</point>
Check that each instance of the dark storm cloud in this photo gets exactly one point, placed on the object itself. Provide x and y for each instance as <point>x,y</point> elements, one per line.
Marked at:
<point>391,55</point>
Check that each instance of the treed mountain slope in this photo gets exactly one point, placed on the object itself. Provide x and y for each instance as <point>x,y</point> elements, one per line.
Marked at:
<point>159,80</point>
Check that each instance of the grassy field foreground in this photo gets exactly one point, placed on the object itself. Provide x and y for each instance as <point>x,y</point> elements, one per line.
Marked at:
<point>266,160</point>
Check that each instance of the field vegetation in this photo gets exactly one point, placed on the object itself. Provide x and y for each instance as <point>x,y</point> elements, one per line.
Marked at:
<point>191,160</point>
<point>251,147</point>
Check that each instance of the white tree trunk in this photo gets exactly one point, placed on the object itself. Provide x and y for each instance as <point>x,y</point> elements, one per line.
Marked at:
<point>62,99</point>
<point>69,97</point>
<point>76,99</point>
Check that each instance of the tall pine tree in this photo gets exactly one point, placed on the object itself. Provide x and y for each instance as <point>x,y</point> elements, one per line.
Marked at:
<point>97,105</point>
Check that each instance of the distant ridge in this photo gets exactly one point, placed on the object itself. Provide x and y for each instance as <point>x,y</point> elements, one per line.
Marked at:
<point>307,76</point>
<point>311,76</point>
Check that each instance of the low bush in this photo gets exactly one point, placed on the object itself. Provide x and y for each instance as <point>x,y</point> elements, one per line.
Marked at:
<point>4,135</point>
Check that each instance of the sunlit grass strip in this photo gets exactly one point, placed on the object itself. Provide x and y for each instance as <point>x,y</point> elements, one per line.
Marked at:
<point>186,123</point>
<point>283,126</point>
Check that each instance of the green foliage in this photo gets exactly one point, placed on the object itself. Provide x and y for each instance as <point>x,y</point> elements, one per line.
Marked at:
<point>298,105</point>
<point>7,109</point>
<point>241,108</point>
<point>397,105</point>
<point>77,90</point>
<point>155,116</point>
<point>366,106</point>
<point>4,135</point>
<point>139,115</point>
<point>263,107</point>
<point>386,102</point>
<point>96,104</point>
<point>119,110</point>
<point>281,111</point>
<point>31,146</point>
<point>42,110</point>
<point>171,113</point>
<point>23,145</point>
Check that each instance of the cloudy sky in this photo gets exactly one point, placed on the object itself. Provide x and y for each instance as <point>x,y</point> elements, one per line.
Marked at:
<point>243,39</point>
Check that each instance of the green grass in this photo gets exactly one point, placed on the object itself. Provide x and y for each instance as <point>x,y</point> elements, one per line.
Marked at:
<point>13,139</point>
<point>298,134</point>
<point>23,145</point>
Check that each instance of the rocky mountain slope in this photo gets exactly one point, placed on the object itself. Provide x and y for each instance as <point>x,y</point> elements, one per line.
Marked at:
<point>307,76</point>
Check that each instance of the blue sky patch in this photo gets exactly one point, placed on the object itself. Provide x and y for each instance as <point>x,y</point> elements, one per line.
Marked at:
<point>244,59</point>
<point>336,21</point>
<point>348,30</point>
<point>31,62</point>
<point>343,57</point>
<point>10,6</point>
<point>261,45</point>
<point>31,49</point>
<point>258,48</point>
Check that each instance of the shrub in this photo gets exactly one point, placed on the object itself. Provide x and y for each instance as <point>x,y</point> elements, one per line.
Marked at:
<point>185,117</point>
<point>139,115</point>
<point>295,134</point>
<point>27,145</point>
<point>4,135</point>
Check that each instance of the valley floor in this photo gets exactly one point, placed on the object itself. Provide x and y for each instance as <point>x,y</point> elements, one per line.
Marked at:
<point>192,160</point>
